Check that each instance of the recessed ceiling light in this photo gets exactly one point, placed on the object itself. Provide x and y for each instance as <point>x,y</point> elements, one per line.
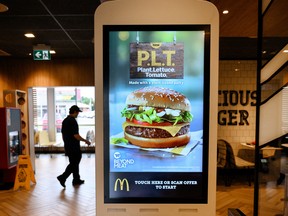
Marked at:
<point>225,12</point>
<point>285,51</point>
<point>3,8</point>
<point>52,52</point>
<point>30,35</point>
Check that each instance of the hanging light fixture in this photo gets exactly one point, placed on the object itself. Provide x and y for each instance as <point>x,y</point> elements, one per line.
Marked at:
<point>3,8</point>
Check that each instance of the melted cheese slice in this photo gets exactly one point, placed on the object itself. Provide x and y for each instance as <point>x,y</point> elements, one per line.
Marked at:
<point>173,129</point>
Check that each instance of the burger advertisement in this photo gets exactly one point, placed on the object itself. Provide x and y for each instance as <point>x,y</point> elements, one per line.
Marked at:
<point>156,121</point>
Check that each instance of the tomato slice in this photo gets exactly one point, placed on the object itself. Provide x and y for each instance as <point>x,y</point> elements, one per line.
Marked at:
<point>148,124</point>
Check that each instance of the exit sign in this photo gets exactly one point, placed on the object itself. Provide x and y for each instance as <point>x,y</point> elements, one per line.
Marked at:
<point>41,55</point>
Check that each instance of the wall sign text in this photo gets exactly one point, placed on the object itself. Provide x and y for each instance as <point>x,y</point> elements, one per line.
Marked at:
<point>230,98</point>
<point>156,60</point>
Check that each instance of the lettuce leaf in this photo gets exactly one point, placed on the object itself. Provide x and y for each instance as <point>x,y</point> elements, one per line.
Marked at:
<point>150,115</point>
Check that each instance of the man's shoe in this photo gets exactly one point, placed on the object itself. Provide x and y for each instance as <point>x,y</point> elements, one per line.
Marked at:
<point>78,182</point>
<point>61,180</point>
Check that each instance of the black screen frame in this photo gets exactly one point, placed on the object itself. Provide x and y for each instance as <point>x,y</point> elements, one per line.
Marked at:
<point>206,112</point>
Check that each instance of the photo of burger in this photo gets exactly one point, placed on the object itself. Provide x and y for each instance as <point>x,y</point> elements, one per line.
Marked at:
<point>157,118</point>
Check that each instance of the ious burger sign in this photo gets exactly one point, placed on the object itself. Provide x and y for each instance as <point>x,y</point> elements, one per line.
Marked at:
<point>157,118</point>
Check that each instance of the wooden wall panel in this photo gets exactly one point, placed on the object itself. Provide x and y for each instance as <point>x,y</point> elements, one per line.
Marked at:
<point>24,73</point>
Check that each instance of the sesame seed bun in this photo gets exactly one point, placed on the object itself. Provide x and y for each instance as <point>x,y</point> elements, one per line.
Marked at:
<point>159,97</point>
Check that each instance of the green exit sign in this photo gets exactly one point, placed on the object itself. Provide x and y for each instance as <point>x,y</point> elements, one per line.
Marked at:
<point>41,55</point>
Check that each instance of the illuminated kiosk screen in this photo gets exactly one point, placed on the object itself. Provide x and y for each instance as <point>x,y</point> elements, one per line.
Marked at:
<point>14,147</point>
<point>156,113</point>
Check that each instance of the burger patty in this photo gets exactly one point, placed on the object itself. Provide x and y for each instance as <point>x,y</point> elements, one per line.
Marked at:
<point>154,132</point>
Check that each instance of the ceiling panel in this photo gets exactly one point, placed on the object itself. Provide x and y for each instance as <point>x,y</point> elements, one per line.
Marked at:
<point>275,22</point>
<point>67,26</point>
<point>84,35</point>
<point>27,23</point>
<point>26,7</point>
<point>76,22</point>
<point>241,21</point>
<point>72,7</point>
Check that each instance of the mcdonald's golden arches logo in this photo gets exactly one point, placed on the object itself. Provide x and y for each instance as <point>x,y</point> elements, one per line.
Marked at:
<point>121,183</point>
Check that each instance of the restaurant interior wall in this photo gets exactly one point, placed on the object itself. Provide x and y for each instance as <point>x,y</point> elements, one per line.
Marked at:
<point>237,102</point>
<point>234,76</point>
<point>24,73</point>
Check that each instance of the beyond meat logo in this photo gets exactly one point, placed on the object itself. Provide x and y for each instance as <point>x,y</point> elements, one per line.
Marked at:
<point>156,60</point>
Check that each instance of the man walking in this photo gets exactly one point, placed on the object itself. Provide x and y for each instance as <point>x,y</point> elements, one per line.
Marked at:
<point>71,138</point>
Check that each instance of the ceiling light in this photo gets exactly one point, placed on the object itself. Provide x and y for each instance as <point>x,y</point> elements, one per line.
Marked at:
<point>52,52</point>
<point>285,51</point>
<point>30,35</point>
<point>225,12</point>
<point>3,8</point>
